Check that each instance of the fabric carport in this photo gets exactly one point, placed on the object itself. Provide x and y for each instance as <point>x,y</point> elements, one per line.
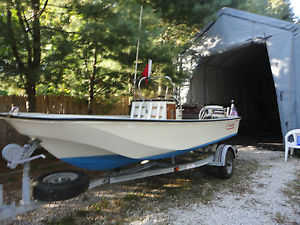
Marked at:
<point>252,59</point>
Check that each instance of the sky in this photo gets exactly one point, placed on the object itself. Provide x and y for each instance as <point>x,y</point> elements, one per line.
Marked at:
<point>296,7</point>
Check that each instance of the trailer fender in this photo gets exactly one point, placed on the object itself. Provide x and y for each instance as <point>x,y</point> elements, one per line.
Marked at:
<point>220,155</point>
<point>224,150</point>
<point>228,156</point>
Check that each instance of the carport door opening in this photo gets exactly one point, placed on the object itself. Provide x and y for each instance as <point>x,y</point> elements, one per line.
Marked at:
<point>258,107</point>
<point>244,75</point>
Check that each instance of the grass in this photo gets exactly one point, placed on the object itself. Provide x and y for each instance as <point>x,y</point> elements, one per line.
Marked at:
<point>293,190</point>
<point>131,197</point>
<point>81,213</point>
<point>66,220</point>
<point>124,202</point>
<point>163,192</point>
<point>101,205</point>
<point>280,219</point>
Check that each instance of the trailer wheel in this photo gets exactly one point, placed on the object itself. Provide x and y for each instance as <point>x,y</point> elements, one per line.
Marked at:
<point>60,185</point>
<point>227,170</point>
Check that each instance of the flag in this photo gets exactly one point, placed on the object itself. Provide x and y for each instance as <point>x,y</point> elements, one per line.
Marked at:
<point>147,71</point>
<point>234,112</point>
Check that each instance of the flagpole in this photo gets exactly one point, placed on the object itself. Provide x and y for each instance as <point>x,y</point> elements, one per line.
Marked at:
<point>137,48</point>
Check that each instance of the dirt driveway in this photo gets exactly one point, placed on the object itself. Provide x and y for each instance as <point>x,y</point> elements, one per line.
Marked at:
<point>264,190</point>
<point>272,197</point>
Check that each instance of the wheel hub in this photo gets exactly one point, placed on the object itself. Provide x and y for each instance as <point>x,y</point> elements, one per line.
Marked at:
<point>59,178</point>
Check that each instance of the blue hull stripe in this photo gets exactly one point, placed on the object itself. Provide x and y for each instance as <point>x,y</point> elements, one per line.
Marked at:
<point>105,162</point>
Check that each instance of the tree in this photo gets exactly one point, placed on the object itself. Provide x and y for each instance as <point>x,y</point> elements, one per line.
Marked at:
<point>20,30</point>
<point>106,47</point>
<point>185,18</point>
<point>87,48</point>
<point>105,32</point>
<point>280,9</point>
<point>105,42</point>
<point>26,30</point>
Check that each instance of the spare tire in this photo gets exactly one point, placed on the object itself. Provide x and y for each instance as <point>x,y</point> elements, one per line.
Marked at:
<point>60,185</point>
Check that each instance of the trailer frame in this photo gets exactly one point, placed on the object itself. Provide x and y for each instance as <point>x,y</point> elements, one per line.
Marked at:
<point>215,155</point>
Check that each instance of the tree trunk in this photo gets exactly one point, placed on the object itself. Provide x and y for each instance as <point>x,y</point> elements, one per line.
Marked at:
<point>31,70</point>
<point>91,96</point>
<point>31,101</point>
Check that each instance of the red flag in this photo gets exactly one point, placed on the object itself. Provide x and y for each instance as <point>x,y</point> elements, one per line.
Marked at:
<point>147,71</point>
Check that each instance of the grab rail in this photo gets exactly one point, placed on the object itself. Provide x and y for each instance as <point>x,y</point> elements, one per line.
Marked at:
<point>155,78</point>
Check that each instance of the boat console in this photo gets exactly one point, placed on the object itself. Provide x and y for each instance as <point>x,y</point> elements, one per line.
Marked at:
<point>161,108</point>
<point>154,109</point>
<point>167,108</point>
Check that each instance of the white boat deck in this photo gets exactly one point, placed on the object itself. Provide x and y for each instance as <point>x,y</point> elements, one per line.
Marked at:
<point>66,116</point>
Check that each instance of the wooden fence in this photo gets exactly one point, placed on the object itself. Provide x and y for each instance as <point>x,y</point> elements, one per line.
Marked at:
<point>54,104</point>
<point>66,105</point>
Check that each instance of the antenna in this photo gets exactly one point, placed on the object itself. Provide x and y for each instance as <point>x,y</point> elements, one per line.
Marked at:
<point>137,48</point>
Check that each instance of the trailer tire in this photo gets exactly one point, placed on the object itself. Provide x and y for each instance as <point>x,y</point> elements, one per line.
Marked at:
<point>60,185</point>
<point>226,171</point>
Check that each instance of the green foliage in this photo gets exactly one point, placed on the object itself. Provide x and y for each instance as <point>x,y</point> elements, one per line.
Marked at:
<point>105,48</point>
<point>87,48</point>
<point>188,12</point>
<point>33,43</point>
<point>103,37</point>
<point>3,92</point>
<point>280,9</point>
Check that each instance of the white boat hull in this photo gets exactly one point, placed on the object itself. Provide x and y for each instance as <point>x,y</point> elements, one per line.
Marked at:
<point>85,141</point>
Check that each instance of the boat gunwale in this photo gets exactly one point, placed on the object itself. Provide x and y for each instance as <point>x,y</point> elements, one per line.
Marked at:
<point>9,116</point>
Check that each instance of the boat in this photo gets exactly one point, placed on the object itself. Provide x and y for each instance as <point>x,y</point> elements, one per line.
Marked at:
<point>153,130</point>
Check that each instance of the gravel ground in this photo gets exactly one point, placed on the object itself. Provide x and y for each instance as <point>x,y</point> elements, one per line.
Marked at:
<point>262,202</point>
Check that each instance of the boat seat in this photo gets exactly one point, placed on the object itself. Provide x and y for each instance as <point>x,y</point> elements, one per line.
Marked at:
<point>213,112</point>
<point>291,141</point>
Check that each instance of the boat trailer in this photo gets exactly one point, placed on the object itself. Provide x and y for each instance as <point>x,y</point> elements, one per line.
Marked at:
<point>221,156</point>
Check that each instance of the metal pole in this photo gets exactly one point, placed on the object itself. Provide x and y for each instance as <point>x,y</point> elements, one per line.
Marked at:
<point>1,195</point>
<point>137,48</point>
<point>26,184</point>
